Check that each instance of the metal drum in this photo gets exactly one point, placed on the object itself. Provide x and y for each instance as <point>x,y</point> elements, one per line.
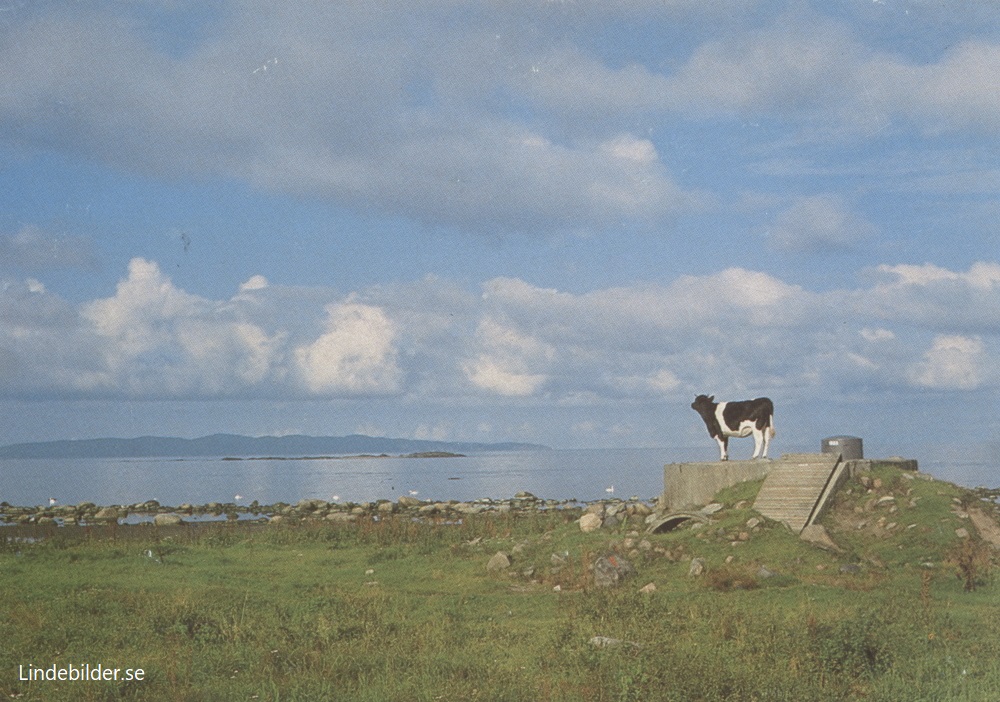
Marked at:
<point>849,447</point>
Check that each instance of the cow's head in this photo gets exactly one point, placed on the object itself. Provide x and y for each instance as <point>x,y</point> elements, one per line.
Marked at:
<point>704,405</point>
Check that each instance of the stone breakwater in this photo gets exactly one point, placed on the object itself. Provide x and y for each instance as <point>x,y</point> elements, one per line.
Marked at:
<point>607,512</point>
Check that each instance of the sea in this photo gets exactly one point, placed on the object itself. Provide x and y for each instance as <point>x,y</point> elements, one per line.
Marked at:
<point>561,474</point>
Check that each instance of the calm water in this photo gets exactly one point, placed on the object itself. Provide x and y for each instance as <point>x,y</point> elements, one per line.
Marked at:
<point>557,474</point>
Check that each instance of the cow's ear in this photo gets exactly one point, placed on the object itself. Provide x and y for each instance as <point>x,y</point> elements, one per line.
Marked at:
<point>711,398</point>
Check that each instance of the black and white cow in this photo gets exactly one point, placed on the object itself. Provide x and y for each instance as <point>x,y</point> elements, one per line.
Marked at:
<point>743,418</point>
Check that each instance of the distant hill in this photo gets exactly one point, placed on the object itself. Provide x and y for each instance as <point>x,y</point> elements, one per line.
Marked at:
<point>232,445</point>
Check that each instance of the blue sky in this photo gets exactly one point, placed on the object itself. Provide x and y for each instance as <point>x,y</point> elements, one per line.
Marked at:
<point>551,220</point>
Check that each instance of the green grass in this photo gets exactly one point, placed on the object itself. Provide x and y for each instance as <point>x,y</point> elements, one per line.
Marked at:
<point>399,610</point>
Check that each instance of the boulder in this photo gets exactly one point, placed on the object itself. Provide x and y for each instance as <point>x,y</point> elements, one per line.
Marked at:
<point>108,514</point>
<point>697,567</point>
<point>163,520</point>
<point>611,569</point>
<point>340,517</point>
<point>409,501</point>
<point>499,561</point>
<point>590,522</point>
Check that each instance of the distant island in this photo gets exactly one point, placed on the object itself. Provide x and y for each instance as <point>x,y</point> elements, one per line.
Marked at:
<point>234,446</point>
<point>418,454</point>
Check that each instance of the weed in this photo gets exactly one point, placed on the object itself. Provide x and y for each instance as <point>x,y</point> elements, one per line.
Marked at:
<point>972,560</point>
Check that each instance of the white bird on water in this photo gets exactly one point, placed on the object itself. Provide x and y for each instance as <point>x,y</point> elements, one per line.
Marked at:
<point>414,493</point>
<point>237,498</point>
<point>52,501</point>
<point>610,489</point>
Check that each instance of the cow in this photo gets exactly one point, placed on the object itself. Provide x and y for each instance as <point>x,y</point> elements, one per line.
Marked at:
<point>743,418</point>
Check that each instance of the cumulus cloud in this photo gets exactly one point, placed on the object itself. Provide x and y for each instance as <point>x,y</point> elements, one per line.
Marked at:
<point>355,355</point>
<point>819,223</point>
<point>155,339</point>
<point>952,363</point>
<point>509,361</point>
<point>735,331</point>
<point>932,297</point>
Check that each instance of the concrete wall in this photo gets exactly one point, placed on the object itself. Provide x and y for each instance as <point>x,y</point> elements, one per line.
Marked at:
<point>692,485</point>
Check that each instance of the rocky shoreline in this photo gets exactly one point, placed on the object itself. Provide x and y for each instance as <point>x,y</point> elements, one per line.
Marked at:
<point>611,511</point>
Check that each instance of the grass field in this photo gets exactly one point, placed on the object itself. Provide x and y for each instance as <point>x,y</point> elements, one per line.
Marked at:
<point>395,609</point>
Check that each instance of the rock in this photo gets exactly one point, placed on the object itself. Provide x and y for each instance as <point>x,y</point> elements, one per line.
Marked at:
<point>962,533</point>
<point>640,509</point>
<point>608,642</point>
<point>408,501</point>
<point>499,561</point>
<point>850,568</point>
<point>340,517</point>
<point>276,519</point>
<point>764,573</point>
<point>697,567</point>
<point>648,589</point>
<point>885,501</point>
<point>604,642</point>
<point>163,520</point>
<point>753,522</point>
<point>817,535</point>
<point>596,508</point>
<point>711,508</point>
<point>108,514</point>
<point>590,522</point>
<point>386,507</point>
<point>611,569</point>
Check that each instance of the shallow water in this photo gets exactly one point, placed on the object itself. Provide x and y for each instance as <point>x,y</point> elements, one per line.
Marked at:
<point>556,474</point>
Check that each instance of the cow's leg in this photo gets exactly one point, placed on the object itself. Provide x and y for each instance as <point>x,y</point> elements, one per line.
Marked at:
<point>767,439</point>
<point>723,447</point>
<point>759,442</point>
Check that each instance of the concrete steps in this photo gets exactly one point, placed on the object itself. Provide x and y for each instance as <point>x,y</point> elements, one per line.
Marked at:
<point>796,488</point>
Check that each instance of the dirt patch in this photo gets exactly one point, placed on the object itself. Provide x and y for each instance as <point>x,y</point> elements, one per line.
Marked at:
<point>989,530</point>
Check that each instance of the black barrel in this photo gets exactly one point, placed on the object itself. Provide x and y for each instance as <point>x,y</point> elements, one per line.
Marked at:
<point>849,447</point>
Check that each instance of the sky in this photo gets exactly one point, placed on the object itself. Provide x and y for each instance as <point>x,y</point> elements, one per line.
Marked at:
<point>550,221</point>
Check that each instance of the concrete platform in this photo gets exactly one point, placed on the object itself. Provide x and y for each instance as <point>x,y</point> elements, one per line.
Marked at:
<point>796,487</point>
<point>688,486</point>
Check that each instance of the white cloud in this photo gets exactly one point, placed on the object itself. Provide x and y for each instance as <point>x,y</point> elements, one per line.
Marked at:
<point>509,361</point>
<point>952,363</point>
<point>876,335</point>
<point>356,354</point>
<point>256,282</point>
<point>736,331</point>
<point>157,340</point>
<point>331,102</point>
<point>818,223</point>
